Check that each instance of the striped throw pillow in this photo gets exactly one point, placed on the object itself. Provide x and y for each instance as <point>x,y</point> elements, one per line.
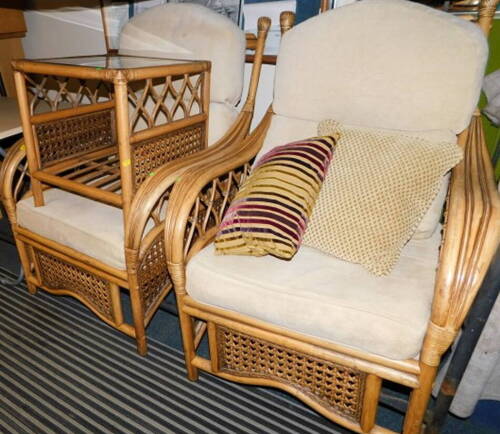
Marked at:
<point>269,214</point>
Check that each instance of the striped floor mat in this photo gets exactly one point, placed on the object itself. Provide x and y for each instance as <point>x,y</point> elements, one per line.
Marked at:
<point>62,370</point>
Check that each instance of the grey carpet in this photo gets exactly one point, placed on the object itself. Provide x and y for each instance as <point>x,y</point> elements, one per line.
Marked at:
<point>63,370</point>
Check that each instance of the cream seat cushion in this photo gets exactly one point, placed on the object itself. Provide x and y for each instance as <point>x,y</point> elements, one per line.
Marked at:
<point>88,226</point>
<point>318,295</point>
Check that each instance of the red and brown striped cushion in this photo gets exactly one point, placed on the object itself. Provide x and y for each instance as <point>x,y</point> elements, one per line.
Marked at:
<point>269,214</point>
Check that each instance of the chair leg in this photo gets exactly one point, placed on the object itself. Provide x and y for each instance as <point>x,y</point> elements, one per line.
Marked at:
<point>187,331</point>
<point>25,263</point>
<point>32,289</point>
<point>141,342</point>
<point>419,399</point>
<point>138,318</point>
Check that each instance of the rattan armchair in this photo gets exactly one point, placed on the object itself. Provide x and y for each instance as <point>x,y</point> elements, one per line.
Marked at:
<point>99,230</point>
<point>246,304</point>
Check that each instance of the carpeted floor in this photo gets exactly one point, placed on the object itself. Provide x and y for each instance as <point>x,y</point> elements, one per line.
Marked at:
<point>62,370</point>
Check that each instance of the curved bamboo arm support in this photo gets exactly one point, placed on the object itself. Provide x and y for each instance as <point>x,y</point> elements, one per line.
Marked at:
<point>198,202</point>
<point>9,186</point>
<point>470,241</point>
<point>471,233</point>
<point>151,191</point>
<point>263,25</point>
<point>147,273</point>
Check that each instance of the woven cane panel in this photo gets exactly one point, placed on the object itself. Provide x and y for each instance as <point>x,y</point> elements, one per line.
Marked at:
<point>153,153</point>
<point>75,135</point>
<point>335,387</point>
<point>152,273</point>
<point>57,274</point>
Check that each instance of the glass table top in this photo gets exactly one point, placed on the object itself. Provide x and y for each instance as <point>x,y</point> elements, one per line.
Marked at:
<point>113,61</point>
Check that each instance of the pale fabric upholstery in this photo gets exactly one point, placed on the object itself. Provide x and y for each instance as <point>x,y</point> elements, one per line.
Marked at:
<point>284,129</point>
<point>390,64</point>
<point>220,118</point>
<point>431,219</point>
<point>320,296</point>
<point>190,31</point>
<point>375,194</point>
<point>88,226</point>
<point>421,74</point>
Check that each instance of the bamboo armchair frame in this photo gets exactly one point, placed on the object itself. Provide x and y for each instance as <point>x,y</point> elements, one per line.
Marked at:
<point>347,391</point>
<point>59,269</point>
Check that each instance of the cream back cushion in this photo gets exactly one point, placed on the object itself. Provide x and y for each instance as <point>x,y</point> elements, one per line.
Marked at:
<point>284,130</point>
<point>389,64</point>
<point>190,31</point>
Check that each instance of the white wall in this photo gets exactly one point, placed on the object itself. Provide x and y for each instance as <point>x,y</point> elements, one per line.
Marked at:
<point>59,28</point>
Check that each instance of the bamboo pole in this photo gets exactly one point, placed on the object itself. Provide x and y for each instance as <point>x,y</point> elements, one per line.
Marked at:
<point>29,138</point>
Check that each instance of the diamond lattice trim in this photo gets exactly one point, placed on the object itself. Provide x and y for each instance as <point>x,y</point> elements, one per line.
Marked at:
<point>155,102</point>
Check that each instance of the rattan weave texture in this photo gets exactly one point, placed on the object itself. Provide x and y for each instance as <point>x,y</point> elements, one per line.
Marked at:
<point>150,154</point>
<point>75,135</point>
<point>57,274</point>
<point>152,273</point>
<point>158,101</point>
<point>337,388</point>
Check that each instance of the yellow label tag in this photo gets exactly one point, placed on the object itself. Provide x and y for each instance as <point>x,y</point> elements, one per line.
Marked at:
<point>23,148</point>
<point>126,163</point>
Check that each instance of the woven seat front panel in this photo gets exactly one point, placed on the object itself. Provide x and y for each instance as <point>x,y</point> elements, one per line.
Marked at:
<point>336,387</point>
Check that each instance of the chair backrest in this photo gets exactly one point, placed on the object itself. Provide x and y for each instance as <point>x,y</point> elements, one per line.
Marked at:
<point>389,64</point>
<point>183,30</point>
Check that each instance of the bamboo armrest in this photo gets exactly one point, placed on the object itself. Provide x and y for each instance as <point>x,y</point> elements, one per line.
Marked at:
<point>257,44</point>
<point>150,192</point>
<point>9,186</point>
<point>212,182</point>
<point>470,240</point>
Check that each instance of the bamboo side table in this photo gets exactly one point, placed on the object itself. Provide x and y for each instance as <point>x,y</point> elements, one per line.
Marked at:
<point>99,127</point>
<point>113,120</point>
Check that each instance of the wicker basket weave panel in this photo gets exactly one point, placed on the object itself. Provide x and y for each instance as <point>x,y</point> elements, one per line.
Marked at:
<point>152,273</point>
<point>58,274</point>
<point>150,154</point>
<point>75,135</point>
<point>335,387</point>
